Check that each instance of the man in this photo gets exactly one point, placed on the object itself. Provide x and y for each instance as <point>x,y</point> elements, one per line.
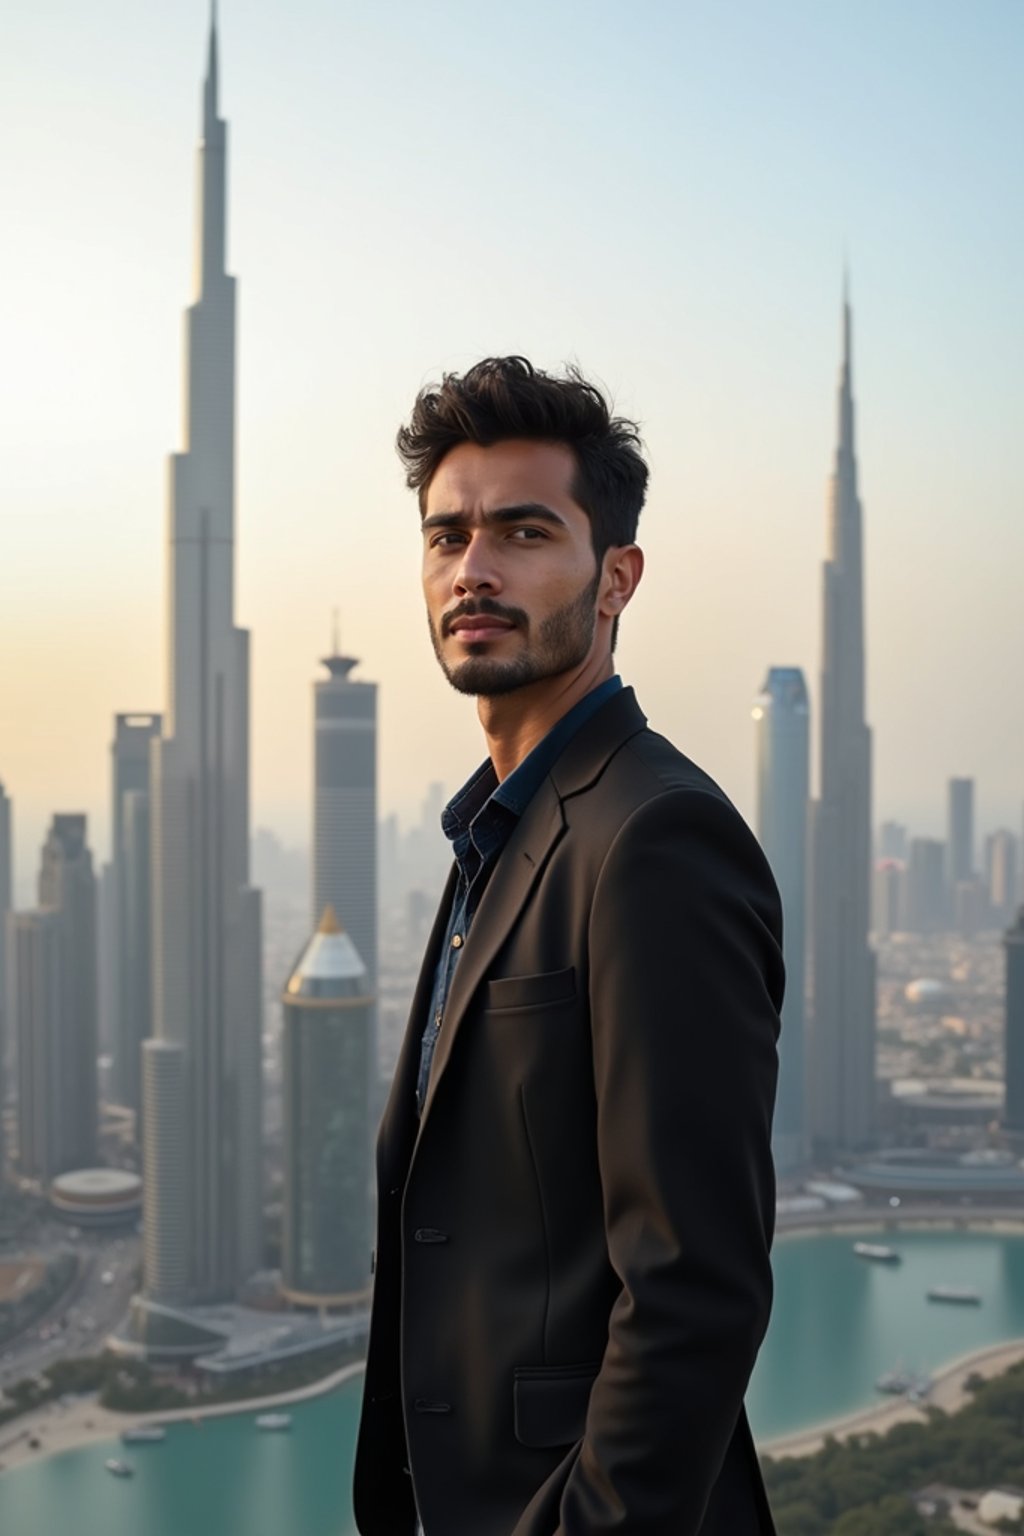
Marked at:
<point>574,1170</point>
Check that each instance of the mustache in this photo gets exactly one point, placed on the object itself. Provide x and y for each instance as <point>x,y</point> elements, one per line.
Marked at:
<point>471,608</point>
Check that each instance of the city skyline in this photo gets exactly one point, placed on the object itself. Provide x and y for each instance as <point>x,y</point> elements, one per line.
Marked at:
<point>704,299</point>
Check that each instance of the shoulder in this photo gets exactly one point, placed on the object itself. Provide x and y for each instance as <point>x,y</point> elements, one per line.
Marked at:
<point>647,770</point>
<point>668,823</point>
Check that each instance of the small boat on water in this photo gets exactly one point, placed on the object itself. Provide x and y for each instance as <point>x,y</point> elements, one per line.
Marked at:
<point>118,1468</point>
<point>901,1383</point>
<point>143,1434</point>
<point>274,1421</point>
<point>879,1253</point>
<point>960,1295</point>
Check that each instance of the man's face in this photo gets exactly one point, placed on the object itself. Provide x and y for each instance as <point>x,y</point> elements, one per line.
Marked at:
<point>509,571</point>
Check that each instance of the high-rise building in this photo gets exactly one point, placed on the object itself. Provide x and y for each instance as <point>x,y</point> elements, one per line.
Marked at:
<point>202,1116</point>
<point>131,994</point>
<point>926,893</point>
<point>782,717</point>
<point>34,1008</point>
<point>843,964</point>
<point>959,832</point>
<point>327,1041</point>
<point>1013,944</point>
<point>52,993</point>
<point>1001,876</point>
<point>345,804</point>
<point>6,887</point>
<point>889,897</point>
<point>892,841</point>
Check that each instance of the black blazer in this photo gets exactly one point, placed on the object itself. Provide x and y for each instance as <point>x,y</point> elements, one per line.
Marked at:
<point>572,1271</point>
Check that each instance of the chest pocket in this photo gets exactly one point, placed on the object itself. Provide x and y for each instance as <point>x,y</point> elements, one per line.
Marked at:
<point>531,991</point>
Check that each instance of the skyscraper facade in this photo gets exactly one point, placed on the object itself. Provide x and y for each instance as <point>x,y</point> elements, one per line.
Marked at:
<point>6,892</point>
<point>1001,876</point>
<point>926,906</point>
<point>53,1005</point>
<point>34,1009</point>
<point>326,1044</point>
<point>960,831</point>
<point>1013,1071</point>
<point>782,715</point>
<point>345,804</point>
<point>843,966</point>
<point>132,977</point>
<point>202,1134</point>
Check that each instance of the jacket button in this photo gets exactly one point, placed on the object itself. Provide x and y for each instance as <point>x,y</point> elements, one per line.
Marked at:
<point>430,1235</point>
<point>425,1405</point>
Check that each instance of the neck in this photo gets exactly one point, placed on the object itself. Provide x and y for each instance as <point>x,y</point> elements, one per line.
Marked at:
<point>514,723</point>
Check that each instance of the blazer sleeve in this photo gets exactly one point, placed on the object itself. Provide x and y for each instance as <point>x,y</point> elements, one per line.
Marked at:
<point>686,983</point>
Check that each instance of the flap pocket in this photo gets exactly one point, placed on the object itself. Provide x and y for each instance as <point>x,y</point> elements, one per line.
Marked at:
<point>532,991</point>
<point>550,1403</point>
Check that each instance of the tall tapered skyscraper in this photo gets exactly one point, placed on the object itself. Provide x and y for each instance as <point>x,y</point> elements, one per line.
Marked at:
<point>843,1035</point>
<point>201,1071</point>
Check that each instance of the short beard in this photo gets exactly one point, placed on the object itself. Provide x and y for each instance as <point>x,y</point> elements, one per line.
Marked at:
<point>563,641</point>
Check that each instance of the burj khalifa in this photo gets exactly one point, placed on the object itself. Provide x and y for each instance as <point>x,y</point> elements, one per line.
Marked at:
<point>201,1069</point>
<point>843,973</point>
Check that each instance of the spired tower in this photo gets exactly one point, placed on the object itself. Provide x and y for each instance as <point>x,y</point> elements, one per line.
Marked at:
<point>201,1071</point>
<point>843,1039</point>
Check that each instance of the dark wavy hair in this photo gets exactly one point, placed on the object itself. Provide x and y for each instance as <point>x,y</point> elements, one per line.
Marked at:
<point>506,397</point>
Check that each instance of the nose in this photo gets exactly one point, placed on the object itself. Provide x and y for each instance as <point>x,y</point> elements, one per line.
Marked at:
<point>477,570</point>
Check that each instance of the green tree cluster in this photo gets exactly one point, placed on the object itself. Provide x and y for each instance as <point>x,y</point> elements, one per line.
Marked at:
<point>862,1487</point>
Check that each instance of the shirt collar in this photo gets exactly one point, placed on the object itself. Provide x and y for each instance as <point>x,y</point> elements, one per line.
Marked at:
<point>515,793</point>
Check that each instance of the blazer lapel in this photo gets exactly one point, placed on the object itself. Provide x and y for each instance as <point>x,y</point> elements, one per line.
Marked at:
<point>515,874</point>
<point>507,890</point>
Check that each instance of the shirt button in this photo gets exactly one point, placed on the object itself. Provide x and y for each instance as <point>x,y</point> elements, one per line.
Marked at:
<point>457,941</point>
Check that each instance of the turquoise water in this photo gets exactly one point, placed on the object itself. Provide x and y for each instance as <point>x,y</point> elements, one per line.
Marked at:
<point>838,1323</point>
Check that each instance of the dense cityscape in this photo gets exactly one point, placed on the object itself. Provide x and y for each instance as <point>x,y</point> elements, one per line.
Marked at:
<point>198,1023</point>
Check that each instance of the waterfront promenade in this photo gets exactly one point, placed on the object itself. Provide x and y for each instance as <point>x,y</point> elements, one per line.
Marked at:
<point>60,1427</point>
<point>66,1426</point>
<point>69,1426</point>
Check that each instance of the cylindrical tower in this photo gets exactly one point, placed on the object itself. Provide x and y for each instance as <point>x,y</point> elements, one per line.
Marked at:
<point>327,1036</point>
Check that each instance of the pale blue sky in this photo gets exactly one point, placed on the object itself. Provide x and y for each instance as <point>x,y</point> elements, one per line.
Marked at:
<point>664,192</point>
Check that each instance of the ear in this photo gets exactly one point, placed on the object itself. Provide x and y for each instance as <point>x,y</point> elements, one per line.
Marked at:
<point>621,570</point>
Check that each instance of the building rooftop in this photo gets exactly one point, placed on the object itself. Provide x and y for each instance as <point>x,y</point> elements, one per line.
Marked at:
<point>329,966</point>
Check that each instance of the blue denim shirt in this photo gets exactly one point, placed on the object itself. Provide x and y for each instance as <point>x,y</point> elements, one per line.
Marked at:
<point>479,821</point>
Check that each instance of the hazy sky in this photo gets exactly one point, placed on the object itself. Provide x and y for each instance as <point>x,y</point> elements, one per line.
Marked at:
<point>664,192</point>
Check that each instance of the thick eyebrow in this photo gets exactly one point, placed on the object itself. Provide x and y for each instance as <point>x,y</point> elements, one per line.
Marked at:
<point>527,511</point>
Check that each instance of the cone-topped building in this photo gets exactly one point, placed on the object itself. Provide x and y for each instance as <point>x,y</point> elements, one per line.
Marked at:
<point>327,1053</point>
<point>843,1080</point>
<point>202,1070</point>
